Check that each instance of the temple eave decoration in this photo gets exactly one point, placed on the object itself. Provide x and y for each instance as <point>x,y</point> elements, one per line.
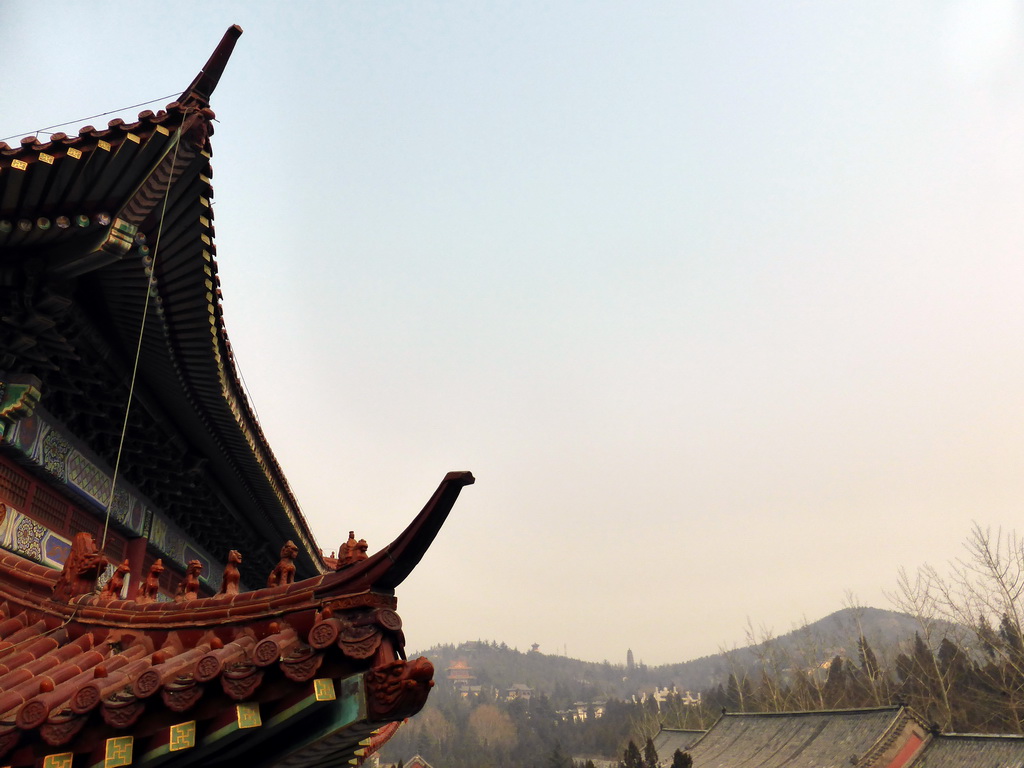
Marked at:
<point>163,601</point>
<point>77,662</point>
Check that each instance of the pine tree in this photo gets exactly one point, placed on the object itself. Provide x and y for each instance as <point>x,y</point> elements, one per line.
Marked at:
<point>650,755</point>
<point>631,758</point>
<point>835,683</point>
<point>681,759</point>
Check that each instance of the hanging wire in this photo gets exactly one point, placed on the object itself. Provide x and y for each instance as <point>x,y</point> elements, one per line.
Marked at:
<point>142,330</point>
<point>81,120</point>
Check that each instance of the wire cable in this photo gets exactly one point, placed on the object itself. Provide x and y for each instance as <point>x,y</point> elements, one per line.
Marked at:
<point>81,120</point>
<point>142,330</point>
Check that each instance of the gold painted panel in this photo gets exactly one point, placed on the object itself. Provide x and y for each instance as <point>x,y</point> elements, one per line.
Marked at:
<point>183,736</point>
<point>119,752</point>
<point>248,715</point>
<point>323,687</point>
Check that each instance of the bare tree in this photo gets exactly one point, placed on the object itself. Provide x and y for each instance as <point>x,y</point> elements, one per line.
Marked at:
<point>982,591</point>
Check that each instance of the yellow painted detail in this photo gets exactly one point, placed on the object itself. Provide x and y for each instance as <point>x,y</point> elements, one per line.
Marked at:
<point>323,687</point>
<point>119,752</point>
<point>75,153</point>
<point>183,736</point>
<point>248,715</point>
<point>204,202</point>
<point>162,131</point>
<point>132,137</point>
<point>45,158</point>
<point>206,240</point>
<point>104,145</point>
<point>63,760</point>
<point>19,165</point>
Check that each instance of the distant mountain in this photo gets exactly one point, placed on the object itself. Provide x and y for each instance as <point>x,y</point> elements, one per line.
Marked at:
<point>564,680</point>
<point>811,645</point>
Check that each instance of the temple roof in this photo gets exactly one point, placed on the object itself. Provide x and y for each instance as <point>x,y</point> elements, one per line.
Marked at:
<point>801,739</point>
<point>85,221</point>
<point>979,751</point>
<point>76,674</point>
<point>668,740</point>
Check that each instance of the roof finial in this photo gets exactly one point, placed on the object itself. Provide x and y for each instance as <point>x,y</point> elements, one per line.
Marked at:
<point>202,87</point>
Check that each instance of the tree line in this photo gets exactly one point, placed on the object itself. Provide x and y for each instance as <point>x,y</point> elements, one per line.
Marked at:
<point>963,670</point>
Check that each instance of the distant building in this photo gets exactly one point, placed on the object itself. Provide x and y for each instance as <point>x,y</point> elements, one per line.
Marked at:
<point>461,677</point>
<point>630,665</point>
<point>662,695</point>
<point>519,691</point>
<point>582,711</point>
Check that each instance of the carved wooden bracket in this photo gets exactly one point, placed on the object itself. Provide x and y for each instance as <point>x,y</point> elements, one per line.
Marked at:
<point>398,690</point>
<point>19,396</point>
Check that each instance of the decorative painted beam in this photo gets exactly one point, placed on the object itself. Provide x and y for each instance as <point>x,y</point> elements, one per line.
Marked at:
<point>19,396</point>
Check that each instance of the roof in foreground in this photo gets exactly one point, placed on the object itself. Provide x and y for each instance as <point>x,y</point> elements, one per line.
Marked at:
<point>669,740</point>
<point>798,739</point>
<point>299,674</point>
<point>980,751</point>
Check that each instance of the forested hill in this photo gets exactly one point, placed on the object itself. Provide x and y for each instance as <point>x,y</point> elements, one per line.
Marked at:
<point>809,646</point>
<point>564,680</point>
<point>854,658</point>
<point>495,665</point>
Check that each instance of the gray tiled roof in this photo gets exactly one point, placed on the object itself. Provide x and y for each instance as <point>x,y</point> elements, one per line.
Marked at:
<point>669,740</point>
<point>959,751</point>
<point>792,740</point>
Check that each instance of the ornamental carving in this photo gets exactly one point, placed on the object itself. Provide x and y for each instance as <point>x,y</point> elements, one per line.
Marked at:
<point>181,694</point>
<point>388,619</point>
<point>121,711</point>
<point>284,571</point>
<point>302,664</point>
<point>85,698</point>
<point>150,587</point>
<point>325,633</point>
<point>147,683</point>
<point>361,649</point>
<point>81,569</point>
<point>208,668</point>
<point>398,690</point>
<point>241,681</point>
<point>266,652</point>
<point>189,588</point>
<point>58,732</point>
<point>232,576</point>
<point>33,714</point>
<point>112,589</point>
<point>352,551</point>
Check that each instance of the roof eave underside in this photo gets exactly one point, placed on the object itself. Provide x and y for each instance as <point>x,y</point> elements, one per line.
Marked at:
<point>185,356</point>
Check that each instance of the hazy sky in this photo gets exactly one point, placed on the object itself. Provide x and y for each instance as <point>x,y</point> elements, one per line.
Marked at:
<point>720,301</point>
